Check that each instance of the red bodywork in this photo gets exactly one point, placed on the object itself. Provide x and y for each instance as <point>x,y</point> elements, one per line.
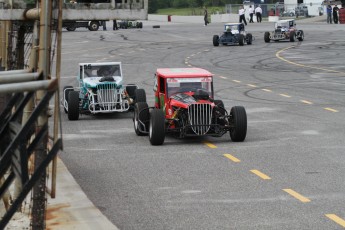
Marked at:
<point>179,75</point>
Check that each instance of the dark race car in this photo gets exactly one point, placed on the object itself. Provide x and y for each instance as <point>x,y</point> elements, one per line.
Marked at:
<point>284,30</point>
<point>234,34</point>
<point>185,106</point>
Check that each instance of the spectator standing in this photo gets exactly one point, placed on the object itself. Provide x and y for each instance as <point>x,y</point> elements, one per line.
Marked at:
<point>329,14</point>
<point>335,14</point>
<point>205,16</point>
<point>251,13</point>
<point>115,25</point>
<point>241,12</point>
<point>104,25</point>
<point>258,13</point>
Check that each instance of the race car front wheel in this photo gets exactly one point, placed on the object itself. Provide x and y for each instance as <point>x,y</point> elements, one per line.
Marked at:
<point>157,127</point>
<point>215,40</point>
<point>66,91</point>
<point>241,39</point>
<point>140,95</point>
<point>238,121</point>
<point>267,37</point>
<point>141,118</point>
<point>73,105</point>
<point>292,36</point>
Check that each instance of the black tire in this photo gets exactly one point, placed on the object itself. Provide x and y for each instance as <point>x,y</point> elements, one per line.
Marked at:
<point>73,105</point>
<point>301,36</point>
<point>241,39</point>
<point>267,37</point>
<point>238,119</point>
<point>220,103</point>
<point>140,95</point>
<point>71,28</point>
<point>157,127</point>
<point>215,40</point>
<point>249,39</point>
<point>140,25</point>
<point>131,90</point>
<point>142,113</point>
<point>292,36</point>
<point>66,91</point>
<point>94,26</point>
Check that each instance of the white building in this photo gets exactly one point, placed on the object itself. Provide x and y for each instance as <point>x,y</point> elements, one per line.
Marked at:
<point>314,6</point>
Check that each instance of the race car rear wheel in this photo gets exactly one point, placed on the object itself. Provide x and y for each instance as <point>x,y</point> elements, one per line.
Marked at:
<point>238,121</point>
<point>66,91</point>
<point>215,40</point>
<point>301,36</point>
<point>241,39</point>
<point>140,95</point>
<point>249,39</point>
<point>141,118</point>
<point>267,37</point>
<point>157,127</point>
<point>73,105</point>
<point>130,88</point>
<point>292,36</point>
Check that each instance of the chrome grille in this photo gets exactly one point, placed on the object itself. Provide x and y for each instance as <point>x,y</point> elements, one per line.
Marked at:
<point>200,118</point>
<point>107,95</point>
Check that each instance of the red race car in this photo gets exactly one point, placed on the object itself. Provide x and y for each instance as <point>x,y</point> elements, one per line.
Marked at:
<point>185,106</point>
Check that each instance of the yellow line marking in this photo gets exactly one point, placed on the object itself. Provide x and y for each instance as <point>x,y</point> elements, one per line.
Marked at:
<point>336,219</point>
<point>222,77</point>
<point>187,57</point>
<point>206,50</point>
<point>297,195</point>
<point>186,62</point>
<point>250,85</point>
<point>190,65</point>
<point>192,55</point>
<point>231,157</point>
<point>267,90</point>
<point>307,102</point>
<point>210,145</point>
<point>237,81</point>
<point>284,95</point>
<point>332,110</point>
<point>301,65</point>
<point>260,174</point>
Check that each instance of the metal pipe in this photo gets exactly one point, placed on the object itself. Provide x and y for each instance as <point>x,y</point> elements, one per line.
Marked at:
<point>29,86</point>
<point>15,71</point>
<point>57,98</point>
<point>19,78</point>
<point>32,14</point>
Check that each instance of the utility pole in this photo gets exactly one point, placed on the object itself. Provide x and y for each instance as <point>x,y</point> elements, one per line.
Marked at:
<point>39,191</point>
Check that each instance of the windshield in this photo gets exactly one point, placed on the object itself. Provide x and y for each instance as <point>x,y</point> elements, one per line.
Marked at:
<point>231,27</point>
<point>182,85</point>
<point>101,70</point>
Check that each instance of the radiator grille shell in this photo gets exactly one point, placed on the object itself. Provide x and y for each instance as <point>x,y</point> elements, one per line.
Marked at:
<point>200,118</point>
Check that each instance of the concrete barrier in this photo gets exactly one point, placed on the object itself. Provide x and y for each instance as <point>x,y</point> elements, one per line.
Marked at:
<point>224,18</point>
<point>273,18</point>
<point>159,18</point>
<point>188,19</point>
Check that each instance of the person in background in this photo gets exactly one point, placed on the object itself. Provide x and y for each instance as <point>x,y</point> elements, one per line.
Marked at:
<point>335,14</point>
<point>241,12</point>
<point>329,14</point>
<point>104,23</point>
<point>115,25</point>
<point>205,16</point>
<point>258,13</point>
<point>251,13</point>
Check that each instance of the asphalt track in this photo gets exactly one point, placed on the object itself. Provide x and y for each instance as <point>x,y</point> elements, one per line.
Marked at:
<point>289,172</point>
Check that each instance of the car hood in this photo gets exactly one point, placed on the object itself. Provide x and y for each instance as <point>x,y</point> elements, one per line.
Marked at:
<point>92,82</point>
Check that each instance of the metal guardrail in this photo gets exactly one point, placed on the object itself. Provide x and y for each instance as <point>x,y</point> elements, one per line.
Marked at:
<point>16,139</point>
